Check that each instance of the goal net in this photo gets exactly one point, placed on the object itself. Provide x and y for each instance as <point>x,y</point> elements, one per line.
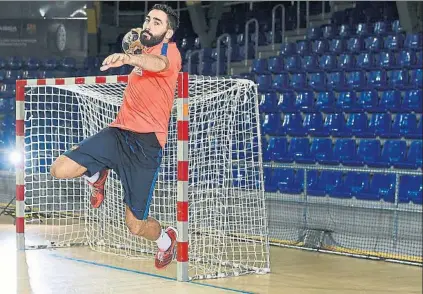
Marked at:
<point>227,224</point>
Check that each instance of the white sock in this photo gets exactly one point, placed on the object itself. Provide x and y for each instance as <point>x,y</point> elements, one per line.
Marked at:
<point>164,241</point>
<point>93,178</point>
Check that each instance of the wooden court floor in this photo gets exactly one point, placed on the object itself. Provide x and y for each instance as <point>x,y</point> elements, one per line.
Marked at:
<point>81,270</point>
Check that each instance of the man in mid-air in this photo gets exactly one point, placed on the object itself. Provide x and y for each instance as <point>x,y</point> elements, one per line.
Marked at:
<point>132,145</point>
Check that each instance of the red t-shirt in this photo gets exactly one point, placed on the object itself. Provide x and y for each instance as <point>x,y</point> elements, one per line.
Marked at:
<point>148,97</point>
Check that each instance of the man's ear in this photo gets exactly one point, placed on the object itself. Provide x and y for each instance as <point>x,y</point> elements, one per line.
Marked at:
<point>169,34</point>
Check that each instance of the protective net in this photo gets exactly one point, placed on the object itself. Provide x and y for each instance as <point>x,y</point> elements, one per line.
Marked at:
<point>227,214</point>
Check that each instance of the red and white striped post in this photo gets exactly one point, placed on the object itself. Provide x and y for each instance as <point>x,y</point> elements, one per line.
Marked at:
<point>183,168</point>
<point>19,167</point>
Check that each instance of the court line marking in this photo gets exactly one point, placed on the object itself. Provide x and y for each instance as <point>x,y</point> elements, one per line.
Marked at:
<point>143,273</point>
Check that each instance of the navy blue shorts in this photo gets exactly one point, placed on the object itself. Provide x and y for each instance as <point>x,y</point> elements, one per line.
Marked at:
<point>135,158</point>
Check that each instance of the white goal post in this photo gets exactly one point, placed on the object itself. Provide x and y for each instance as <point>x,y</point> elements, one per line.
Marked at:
<point>210,185</point>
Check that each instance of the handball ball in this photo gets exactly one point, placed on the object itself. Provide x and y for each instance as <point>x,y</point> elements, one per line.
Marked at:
<point>131,42</point>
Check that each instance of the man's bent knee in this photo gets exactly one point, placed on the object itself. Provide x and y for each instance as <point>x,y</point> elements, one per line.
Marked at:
<point>65,168</point>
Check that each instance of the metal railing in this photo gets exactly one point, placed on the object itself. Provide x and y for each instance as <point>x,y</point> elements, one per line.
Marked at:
<point>246,38</point>
<point>200,59</point>
<point>228,54</point>
<point>274,23</point>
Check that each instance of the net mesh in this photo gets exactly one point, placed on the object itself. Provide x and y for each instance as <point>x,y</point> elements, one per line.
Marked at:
<point>227,214</point>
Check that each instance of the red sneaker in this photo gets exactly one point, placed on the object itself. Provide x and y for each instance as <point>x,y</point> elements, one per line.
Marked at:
<point>164,258</point>
<point>97,195</point>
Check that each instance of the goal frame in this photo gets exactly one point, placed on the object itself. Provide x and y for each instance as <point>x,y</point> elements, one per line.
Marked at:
<point>182,157</point>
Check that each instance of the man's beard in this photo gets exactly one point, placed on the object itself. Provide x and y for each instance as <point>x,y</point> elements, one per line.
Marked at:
<point>153,41</point>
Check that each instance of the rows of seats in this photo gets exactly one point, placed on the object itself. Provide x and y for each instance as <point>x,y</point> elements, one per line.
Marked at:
<point>404,125</point>
<point>393,101</point>
<point>341,81</point>
<point>343,62</point>
<point>337,184</point>
<point>349,152</point>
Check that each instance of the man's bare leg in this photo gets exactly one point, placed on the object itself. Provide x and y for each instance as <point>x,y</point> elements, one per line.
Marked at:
<point>150,229</point>
<point>65,168</point>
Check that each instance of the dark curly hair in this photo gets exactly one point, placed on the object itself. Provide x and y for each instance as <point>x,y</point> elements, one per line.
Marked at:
<point>172,16</point>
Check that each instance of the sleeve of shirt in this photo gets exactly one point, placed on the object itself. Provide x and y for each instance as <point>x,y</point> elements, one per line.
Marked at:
<point>174,58</point>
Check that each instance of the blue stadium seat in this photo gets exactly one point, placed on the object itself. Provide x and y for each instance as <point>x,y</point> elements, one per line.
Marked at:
<point>414,156</point>
<point>268,102</point>
<point>292,63</point>
<point>368,152</point>
<point>356,80</point>
<point>390,101</point>
<point>363,29</point>
<point>326,183</point>
<point>321,151</point>
<point>279,150</point>
<point>347,102</point>
<point>358,183</point>
<point>275,65</point>
<point>7,90</point>
<point>310,63</point>
<point>303,47</point>
<point>289,181</point>
<point>313,124</point>
<point>12,75</point>
<point>404,124</point>
<point>33,63</point>
<point>413,101</point>
<point>336,81</point>
<point>419,131</point>
<point>327,62</point>
<point>298,81</point>
<point>393,153</point>
<point>314,33</point>
<point>14,62</point>
<point>280,82</point>
<point>259,66</point>
<point>316,81</point>
<point>413,41</point>
<point>299,150</point>
<point>407,59</point>
<point>368,101</point>
<point>344,31</point>
<point>336,187</point>
<point>396,27</point>
<point>382,186</point>
<point>347,62</point>
<point>92,62</point>
<point>305,101</point>
<point>325,102</point>
<point>376,79</point>
<point>320,47</point>
<point>288,49</point>
<point>357,125</point>
<point>30,74</point>
<point>314,188</point>
<point>337,46</point>
<point>269,181</point>
<point>419,63</point>
<point>355,45</point>
<point>410,189</point>
<point>373,44</point>
<point>335,124</point>
<point>386,60</point>
<point>271,124</point>
<point>380,125</point>
<point>345,152</point>
<point>286,102</point>
<point>328,31</point>
<point>382,28</point>
<point>366,61</point>
<point>50,64</point>
<point>394,42</point>
<point>264,83</point>
<point>416,78</point>
<point>398,79</point>
<point>293,124</point>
